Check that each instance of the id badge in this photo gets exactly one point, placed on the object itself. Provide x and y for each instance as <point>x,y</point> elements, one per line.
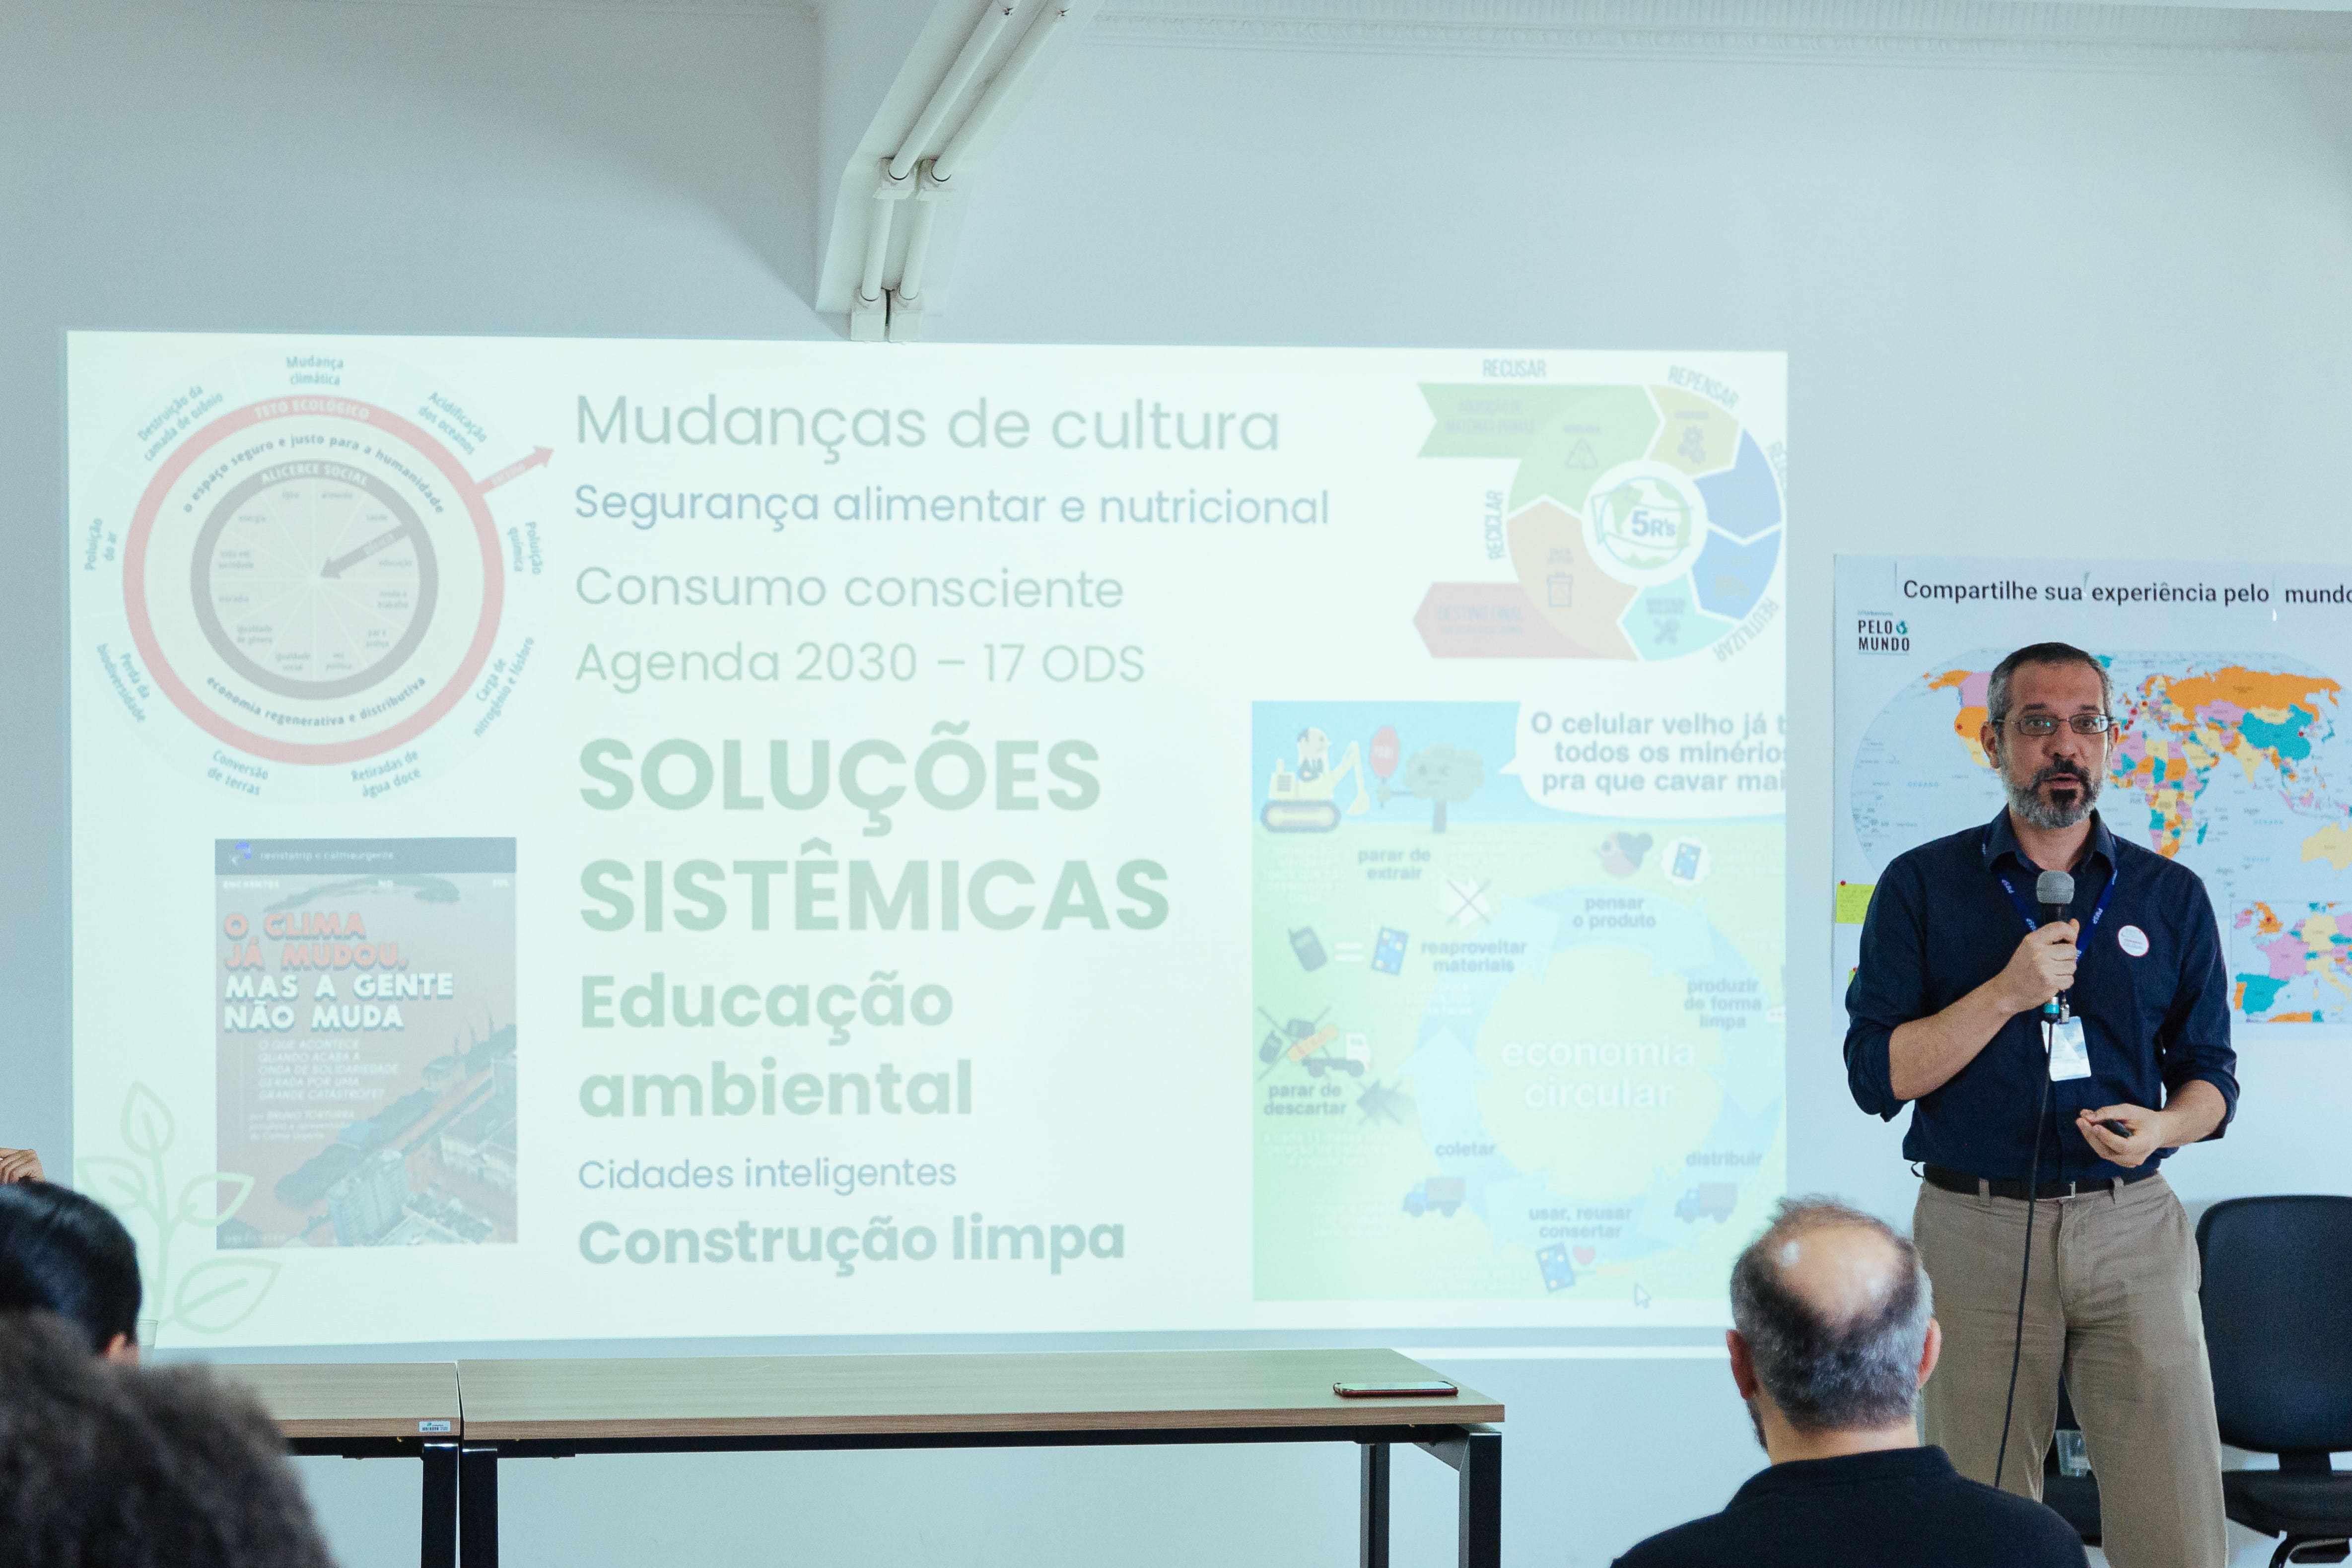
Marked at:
<point>2069,1056</point>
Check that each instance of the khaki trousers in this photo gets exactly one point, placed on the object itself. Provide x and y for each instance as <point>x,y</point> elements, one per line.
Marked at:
<point>2111,1304</point>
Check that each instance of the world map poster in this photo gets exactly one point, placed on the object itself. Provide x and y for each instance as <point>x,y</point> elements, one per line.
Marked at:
<point>2233,755</point>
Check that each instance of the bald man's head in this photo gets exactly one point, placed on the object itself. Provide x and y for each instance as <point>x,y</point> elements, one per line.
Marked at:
<point>1835,1308</point>
<point>1841,1269</point>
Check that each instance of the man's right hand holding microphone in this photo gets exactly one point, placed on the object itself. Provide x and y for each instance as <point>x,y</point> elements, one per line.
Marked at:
<point>1924,1053</point>
<point>2042,965</point>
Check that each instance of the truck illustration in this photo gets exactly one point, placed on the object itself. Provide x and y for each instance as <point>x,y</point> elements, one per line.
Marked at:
<point>1709,1199</point>
<point>1309,1043</point>
<point>1442,1194</point>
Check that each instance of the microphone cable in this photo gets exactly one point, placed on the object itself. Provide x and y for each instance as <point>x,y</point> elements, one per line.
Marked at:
<point>2025,1270</point>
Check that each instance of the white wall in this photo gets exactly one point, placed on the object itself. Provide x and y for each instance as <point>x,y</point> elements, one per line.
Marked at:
<point>2067,303</point>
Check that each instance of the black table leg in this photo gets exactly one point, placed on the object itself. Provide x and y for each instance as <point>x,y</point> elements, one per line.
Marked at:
<point>1480,1489</point>
<point>439,1549</point>
<point>1476,1456</point>
<point>1373,1516</point>
<point>477,1506</point>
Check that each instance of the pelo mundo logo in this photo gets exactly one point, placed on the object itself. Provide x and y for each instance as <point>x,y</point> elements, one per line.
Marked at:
<point>1875,632</point>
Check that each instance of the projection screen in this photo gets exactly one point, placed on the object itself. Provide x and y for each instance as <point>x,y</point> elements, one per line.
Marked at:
<point>606,839</point>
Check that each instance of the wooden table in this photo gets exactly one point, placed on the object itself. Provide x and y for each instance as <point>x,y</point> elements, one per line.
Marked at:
<point>523,1409</point>
<point>408,1410</point>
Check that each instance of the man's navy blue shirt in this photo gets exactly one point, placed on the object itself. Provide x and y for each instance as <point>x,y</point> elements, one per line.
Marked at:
<point>1940,926</point>
<point>1896,1508</point>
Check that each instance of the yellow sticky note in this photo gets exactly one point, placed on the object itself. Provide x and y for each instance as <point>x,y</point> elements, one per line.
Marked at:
<point>1854,900</point>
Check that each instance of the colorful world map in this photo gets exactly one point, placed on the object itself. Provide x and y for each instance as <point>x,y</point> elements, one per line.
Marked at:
<point>2230,764</point>
<point>2314,944</point>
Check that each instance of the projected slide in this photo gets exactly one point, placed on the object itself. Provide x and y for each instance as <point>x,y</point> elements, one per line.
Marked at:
<point>2233,757</point>
<point>583,839</point>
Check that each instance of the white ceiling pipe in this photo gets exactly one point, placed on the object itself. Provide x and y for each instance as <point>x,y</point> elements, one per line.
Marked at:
<point>984,34</point>
<point>886,196</point>
<point>919,250</point>
<point>934,176</point>
<point>992,101</point>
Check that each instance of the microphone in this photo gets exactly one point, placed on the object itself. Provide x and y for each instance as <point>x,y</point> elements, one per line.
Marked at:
<point>2055,890</point>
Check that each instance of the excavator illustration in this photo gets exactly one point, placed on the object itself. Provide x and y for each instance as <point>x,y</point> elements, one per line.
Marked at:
<point>1307,801</point>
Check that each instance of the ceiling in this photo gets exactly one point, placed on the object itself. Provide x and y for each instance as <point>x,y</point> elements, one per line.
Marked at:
<point>1950,31</point>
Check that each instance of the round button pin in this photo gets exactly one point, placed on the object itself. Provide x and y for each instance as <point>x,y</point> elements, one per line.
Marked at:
<point>2132,940</point>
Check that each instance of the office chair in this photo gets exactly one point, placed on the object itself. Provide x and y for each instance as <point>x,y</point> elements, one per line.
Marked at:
<point>2277,1301</point>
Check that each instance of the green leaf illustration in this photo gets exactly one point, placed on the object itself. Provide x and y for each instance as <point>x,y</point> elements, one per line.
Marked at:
<point>147,1125</point>
<point>115,1182</point>
<point>216,1296</point>
<point>199,1200</point>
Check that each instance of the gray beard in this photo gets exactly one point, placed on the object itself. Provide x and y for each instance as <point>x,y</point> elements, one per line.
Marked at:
<point>2026,801</point>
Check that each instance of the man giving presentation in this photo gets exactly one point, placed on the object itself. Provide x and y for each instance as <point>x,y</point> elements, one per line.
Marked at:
<point>2057,1037</point>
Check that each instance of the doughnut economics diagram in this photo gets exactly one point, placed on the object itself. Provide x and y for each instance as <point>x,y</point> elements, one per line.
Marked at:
<point>316,580</point>
<point>311,584</point>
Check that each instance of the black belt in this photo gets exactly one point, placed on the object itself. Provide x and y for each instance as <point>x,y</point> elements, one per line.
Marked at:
<point>1950,1180</point>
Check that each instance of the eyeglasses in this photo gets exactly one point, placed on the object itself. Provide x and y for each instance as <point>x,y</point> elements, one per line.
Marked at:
<point>2040,726</point>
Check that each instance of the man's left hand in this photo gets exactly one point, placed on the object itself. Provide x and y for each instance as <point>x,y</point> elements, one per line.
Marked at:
<point>2147,1128</point>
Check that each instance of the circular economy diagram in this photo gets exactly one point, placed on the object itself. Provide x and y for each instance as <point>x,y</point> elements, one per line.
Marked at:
<point>317,578</point>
